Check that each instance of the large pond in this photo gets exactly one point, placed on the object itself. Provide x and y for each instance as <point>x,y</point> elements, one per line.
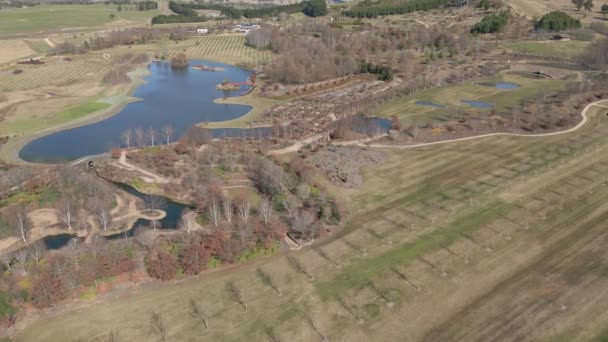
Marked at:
<point>178,98</point>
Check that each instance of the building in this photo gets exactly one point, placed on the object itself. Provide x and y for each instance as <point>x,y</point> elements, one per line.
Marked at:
<point>246,28</point>
<point>202,30</point>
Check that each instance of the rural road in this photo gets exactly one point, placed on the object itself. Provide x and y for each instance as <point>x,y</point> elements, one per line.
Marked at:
<point>49,42</point>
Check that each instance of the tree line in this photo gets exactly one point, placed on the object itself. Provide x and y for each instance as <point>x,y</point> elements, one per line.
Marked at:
<point>257,12</point>
<point>372,9</point>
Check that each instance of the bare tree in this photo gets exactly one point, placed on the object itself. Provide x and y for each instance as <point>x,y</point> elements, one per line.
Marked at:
<point>66,207</point>
<point>145,236</point>
<point>228,209</point>
<point>303,191</point>
<point>243,209</point>
<point>198,312</point>
<point>95,243</point>
<point>168,132</point>
<point>73,250</point>
<point>18,219</point>
<point>126,137</point>
<point>7,259</point>
<point>235,294</point>
<point>36,250</point>
<point>103,213</point>
<point>159,326</point>
<point>22,256</point>
<point>303,222</point>
<point>186,221</point>
<point>152,135</point>
<point>265,210</point>
<point>113,336</point>
<point>213,208</point>
<point>139,135</point>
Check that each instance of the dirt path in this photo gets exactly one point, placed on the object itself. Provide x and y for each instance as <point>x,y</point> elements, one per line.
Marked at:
<point>49,42</point>
<point>149,177</point>
<point>579,125</point>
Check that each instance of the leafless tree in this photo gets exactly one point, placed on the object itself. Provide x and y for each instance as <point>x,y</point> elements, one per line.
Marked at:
<point>95,243</point>
<point>66,207</point>
<point>228,209</point>
<point>126,137</point>
<point>145,237</point>
<point>303,222</point>
<point>290,204</point>
<point>139,135</point>
<point>17,215</point>
<point>22,256</point>
<point>265,210</point>
<point>36,250</point>
<point>232,158</point>
<point>159,326</point>
<point>198,312</point>
<point>73,250</point>
<point>213,208</point>
<point>168,132</point>
<point>152,135</point>
<point>186,221</point>
<point>303,191</point>
<point>113,336</point>
<point>235,294</point>
<point>103,213</point>
<point>7,259</point>
<point>243,209</point>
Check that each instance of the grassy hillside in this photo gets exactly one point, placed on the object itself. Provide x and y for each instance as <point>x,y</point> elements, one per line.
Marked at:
<point>475,240</point>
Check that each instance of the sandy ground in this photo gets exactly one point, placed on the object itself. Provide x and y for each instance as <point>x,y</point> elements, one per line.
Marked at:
<point>14,49</point>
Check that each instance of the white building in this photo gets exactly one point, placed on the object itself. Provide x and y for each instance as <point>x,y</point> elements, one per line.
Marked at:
<point>246,28</point>
<point>202,30</point>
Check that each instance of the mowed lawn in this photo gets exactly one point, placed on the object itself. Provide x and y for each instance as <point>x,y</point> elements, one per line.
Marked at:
<point>451,97</point>
<point>55,18</point>
<point>569,49</point>
<point>476,240</point>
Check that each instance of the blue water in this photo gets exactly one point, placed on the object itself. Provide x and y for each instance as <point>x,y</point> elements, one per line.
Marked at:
<point>57,241</point>
<point>176,97</point>
<point>430,104</point>
<point>505,85</point>
<point>478,104</point>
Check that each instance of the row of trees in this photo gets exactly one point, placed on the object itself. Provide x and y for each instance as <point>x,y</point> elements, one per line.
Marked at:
<point>369,9</point>
<point>256,12</point>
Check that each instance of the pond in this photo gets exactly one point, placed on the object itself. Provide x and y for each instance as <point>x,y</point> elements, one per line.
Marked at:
<point>178,98</point>
<point>57,241</point>
<point>429,104</point>
<point>170,221</point>
<point>478,104</point>
<point>506,85</point>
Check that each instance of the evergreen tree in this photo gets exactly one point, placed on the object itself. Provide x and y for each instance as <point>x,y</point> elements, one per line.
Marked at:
<point>315,8</point>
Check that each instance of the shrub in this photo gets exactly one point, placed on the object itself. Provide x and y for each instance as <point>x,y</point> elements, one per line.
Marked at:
<point>161,265</point>
<point>557,21</point>
<point>179,60</point>
<point>315,8</point>
<point>491,23</point>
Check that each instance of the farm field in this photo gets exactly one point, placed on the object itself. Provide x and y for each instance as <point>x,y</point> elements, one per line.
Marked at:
<point>484,239</point>
<point>14,49</point>
<point>92,66</point>
<point>451,97</point>
<point>61,18</point>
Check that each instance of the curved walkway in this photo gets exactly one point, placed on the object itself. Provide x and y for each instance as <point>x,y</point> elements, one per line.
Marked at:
<point>579,125</point>
<point>150,177</point>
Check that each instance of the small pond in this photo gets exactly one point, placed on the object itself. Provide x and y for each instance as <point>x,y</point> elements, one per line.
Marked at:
<point>178,98</point>
<point>429,104</point>
<point>57,241</point>
<point>173,209</point>
<point>506,85</point>
<point>478,104</point>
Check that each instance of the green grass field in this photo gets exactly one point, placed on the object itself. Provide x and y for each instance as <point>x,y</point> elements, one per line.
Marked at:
<point>32,124</point>
<point>451,97</point>
<point>476,240</point>
<point>56,18</point>
<point>555,49</point>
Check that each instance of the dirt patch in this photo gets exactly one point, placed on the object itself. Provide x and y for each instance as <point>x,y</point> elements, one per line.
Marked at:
<point>14,49</point>
<point>342,165</point>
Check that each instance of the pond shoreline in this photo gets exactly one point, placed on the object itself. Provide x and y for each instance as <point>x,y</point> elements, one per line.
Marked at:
<point>137,79</point>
